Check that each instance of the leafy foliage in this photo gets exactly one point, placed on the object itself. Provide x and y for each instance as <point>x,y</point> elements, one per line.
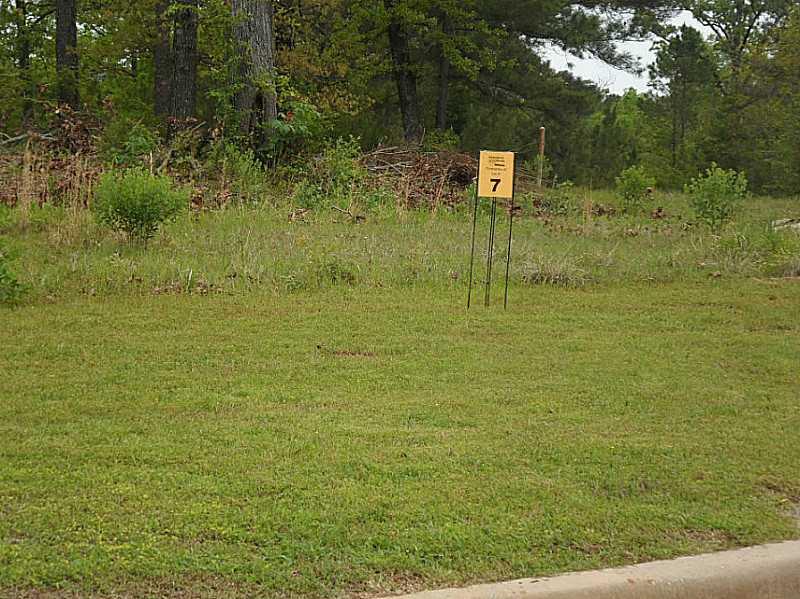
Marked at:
<point>300,125</point>
<point>715,195</point>
<point>559,201</point>
<point>481,79</point>
<point>634,186</point>
<point>241,174</point>
<point>136,202</point>
<point>126,145</point>
<point>337,177</point>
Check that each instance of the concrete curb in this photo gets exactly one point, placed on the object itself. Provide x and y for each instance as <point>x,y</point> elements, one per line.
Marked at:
<point>766,572</point>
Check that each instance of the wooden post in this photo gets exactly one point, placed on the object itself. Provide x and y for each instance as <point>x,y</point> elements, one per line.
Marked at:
<point>542,133</point>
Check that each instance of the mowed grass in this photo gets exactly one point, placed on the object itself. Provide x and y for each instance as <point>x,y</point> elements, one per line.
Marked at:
<point>362,440</point>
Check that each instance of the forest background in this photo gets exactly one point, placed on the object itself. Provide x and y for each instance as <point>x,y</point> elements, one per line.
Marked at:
<point>283,79</point>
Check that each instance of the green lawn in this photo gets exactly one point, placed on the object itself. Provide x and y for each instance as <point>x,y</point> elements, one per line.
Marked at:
<point>361,440</point>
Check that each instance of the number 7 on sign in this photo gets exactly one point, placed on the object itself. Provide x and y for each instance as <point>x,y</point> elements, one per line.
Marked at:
<point>496,175</point>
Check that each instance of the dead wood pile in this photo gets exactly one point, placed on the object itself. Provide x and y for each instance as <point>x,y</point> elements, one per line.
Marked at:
<point>423,179</point>
<point>430,179</point>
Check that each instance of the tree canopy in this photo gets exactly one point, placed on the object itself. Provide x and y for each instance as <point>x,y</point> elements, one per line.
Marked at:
<point>282,76</point>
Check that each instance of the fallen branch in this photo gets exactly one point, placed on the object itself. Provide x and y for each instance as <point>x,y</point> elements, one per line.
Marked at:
<point>356,218</point>
<point>347,212</point>
<point>11,140</point>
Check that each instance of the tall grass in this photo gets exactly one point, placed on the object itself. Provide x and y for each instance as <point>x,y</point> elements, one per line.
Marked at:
<point>243,249</point>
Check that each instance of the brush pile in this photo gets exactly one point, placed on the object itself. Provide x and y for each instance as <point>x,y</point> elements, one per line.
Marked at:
<point>432,179</point>
<point>423,179</point>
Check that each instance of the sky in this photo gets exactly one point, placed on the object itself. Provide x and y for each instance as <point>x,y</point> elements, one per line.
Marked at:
<point>607,77</point>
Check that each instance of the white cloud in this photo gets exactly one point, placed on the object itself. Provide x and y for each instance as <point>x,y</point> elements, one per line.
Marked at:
<point>607,77</point>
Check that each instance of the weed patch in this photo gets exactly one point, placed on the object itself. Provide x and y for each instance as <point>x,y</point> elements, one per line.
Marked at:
<point>559,272</point>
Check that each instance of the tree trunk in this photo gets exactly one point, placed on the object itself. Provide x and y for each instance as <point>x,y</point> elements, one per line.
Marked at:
<point>444,94</point>
<point>674,140</point>
<point>67,53</point>
<point>255,100</point>
<point>162,62</point>
<point>22,51</point>
<point>184,72</point>
<point>404,76</point>
<point>443,97</point>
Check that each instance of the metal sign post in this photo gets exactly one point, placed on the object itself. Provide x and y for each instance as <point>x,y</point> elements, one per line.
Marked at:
<point>495,181</point>
<point>490,253</point>
<point>472,253</point>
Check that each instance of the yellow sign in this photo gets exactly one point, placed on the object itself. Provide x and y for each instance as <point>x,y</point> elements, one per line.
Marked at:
<point>496,175</point>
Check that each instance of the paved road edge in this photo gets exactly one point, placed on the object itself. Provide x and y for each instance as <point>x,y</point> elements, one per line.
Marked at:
<point>763,572</point>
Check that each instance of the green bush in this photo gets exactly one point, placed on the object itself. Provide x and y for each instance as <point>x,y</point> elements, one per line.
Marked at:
<point>294,130</point>
<point>128,145</point>
<point>634,186</point>
<point>240,173</point>
<point>10,287</point>
<point>337,177</point>
<point>716,195</point>
<point>441,141</point>
<point>136,202</point>
<point>559,201</point>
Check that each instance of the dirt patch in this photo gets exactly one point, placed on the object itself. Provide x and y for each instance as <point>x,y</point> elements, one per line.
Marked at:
<point>714,538</point>
<point>389,583</point>
<point>781,488</point>
<point>788,494</point>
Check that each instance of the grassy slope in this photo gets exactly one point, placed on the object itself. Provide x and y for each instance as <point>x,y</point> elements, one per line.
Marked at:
<point>379,439</point>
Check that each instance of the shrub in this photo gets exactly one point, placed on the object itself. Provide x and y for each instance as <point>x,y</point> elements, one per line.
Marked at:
<point>334,270</point>
<point>242,176</point>
<point>559,201</point>
<point>299,126</point>
<point>10,288</point>
<point>136,202</point>
<point>716,195</point>
<point>634,186</point>
<point>127,145</point>
<point>336,177</point>
<point>441,141</point>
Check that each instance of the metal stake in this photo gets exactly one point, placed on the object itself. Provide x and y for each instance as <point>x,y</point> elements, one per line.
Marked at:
<point>472,253</point>
<point>490,252</point>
